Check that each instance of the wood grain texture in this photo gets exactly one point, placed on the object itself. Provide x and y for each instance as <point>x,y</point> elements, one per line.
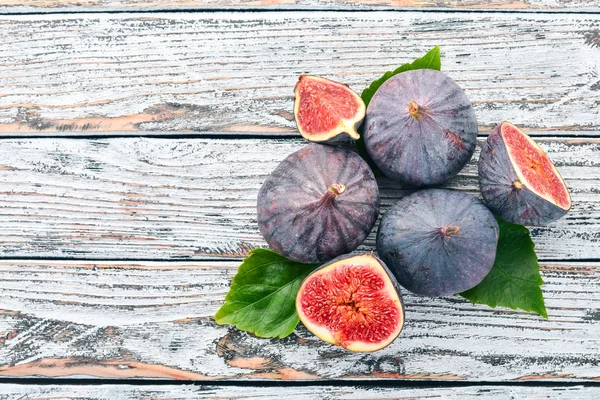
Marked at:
<point>136,198</point>
<point>154,320</point>
<point>188,392</point>
<point>235,72</point>
<point>17,6</point>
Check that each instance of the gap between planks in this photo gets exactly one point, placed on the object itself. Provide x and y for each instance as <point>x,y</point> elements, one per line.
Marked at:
<point>74,6</point>
<point>366,391</point>
<point>198,10</point>
<point>174,135</point>
<point>263,383</point>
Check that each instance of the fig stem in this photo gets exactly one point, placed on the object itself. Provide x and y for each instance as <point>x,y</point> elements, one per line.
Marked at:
<point>334,191</point>
<point>413,109</point>
<point>450,231</point>
<point>337,189</point>
<point>517,185</point>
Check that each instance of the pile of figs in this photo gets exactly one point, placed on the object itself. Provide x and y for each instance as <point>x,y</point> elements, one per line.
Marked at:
<point>322,201</point>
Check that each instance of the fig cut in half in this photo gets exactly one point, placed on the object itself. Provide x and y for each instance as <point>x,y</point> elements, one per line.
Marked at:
<point>420,128</point>
<point>325,109</point>
<point>319,203</point>
<point>518,180</point>
<point>353,302</point>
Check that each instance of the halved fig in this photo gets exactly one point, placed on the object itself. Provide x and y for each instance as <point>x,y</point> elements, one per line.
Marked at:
<point>438,242</point>
<point>420,128</point>
<point>353,302</point>
<point>518,180</point>
<point>326,109</point>
<point>320,202</point>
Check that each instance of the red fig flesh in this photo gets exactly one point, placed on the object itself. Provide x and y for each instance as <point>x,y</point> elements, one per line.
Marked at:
<point>518,180</point>
<point>353,302</point>
<point>325,109</point>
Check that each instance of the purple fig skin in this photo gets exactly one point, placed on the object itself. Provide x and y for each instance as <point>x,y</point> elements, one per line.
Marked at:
<point>301,217</point>
<point>438,242</point>
<point>496,177</point>
<point>425,146</point>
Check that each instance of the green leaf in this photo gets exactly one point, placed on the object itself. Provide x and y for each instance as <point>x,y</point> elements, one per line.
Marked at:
<point>431,60</point>
<point>262,297</point>
<point>514,280</point>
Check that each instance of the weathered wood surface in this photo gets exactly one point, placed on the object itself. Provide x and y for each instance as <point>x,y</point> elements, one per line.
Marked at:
<point>154,320</point>
<point>235,72</point>
<point>188,392</point>
<point>16,6</point>
<point>194,199</point>
<point>141,198</point>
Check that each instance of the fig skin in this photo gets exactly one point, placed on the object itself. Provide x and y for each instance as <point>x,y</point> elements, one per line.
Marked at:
<point>393,289</point>
<point>344,115</point>
<point>320,202</point>
<point>420,128</point>
<point>438,242</point>
<point>503,191</point>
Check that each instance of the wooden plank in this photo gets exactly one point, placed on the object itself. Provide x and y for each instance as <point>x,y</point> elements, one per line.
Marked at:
<point>185,392</point>
<point>16,6</point>
<point>136,198</point>
<point>154,320</point>
<point>235,72</point>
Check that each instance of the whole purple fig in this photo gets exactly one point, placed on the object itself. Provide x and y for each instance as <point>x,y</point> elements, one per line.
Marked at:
<point>420,128</point>
<point>438,242</point>
<point>319,203</point>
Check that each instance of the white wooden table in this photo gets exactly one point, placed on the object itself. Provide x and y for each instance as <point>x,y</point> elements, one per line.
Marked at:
<point>135,134</point>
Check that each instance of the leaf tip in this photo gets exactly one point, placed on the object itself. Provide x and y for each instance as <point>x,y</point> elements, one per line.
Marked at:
<point>541,310</point>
